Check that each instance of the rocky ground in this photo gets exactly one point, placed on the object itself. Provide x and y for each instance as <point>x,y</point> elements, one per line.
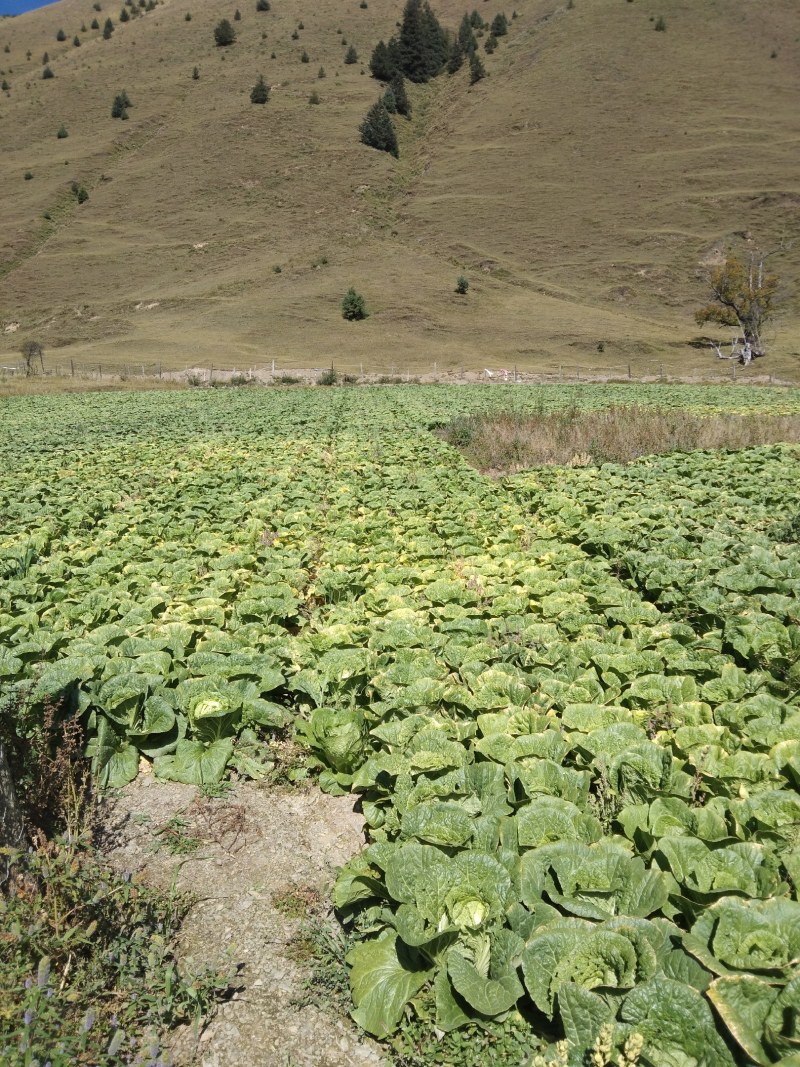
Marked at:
<point>259,861</point>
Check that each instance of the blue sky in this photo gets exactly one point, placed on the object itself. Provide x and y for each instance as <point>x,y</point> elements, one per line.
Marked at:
<point>17,7</point>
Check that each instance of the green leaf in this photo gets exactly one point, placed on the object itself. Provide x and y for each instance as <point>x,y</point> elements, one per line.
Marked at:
<point>116,760</point>
<point>583,1014</point>
<point>743,1002</point>
<point>486,995</point>
<point>196,763</point>
<point>677,1025</point>
<point>385,974</point>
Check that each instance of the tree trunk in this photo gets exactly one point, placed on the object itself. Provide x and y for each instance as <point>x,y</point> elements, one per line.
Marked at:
<point>12,831</point>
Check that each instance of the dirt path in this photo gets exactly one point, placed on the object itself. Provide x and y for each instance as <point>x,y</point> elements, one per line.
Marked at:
<point>245,856</point>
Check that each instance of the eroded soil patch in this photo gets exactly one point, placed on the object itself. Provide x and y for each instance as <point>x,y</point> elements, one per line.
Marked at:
<point>243,855</point>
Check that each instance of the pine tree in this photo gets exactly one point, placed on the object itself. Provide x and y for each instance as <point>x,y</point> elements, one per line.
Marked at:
<point>94,24</point>
<point>224,34</point>
<point>262,5</point>
<point>351,55</point>
<point>476,69</point>
<point>61,36</point>
<point>377,130</point>
<point>119,109</point>
<point>46,58</point>
<point>389,101</point>
<point>76,41</point>
<point>124,16</point>
<point>380,64</point>
<point>108,29</point>
<point>260,91</point>
<point>456,60</point>
<point>354,308</point>
<point>402,103</point>
<point>423,44</point>
<point>466,36</point>
<point>499,25</point>
<point>47,73</point>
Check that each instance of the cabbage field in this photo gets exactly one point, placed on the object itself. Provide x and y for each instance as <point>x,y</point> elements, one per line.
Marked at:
<point>568,700</point>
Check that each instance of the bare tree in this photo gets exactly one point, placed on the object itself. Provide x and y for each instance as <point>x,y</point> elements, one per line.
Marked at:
<point>32,352</point>
<point>744,297</point>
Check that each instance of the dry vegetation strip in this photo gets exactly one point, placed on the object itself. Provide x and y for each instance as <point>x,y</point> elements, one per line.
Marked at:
<point>509,442</point>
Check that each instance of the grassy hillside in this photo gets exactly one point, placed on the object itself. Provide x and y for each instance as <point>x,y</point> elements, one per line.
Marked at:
<point>584,187</point>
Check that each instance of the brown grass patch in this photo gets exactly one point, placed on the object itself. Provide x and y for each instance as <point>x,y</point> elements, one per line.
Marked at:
<point>507,442</point>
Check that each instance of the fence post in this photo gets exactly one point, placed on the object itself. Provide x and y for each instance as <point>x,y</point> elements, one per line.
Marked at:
<point>629,372</point>
<point>72,367</point>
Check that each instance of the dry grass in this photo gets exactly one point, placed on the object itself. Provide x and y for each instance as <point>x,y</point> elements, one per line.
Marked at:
<point>51,384</point>
<point>508,443</point>
<point>583,188</point>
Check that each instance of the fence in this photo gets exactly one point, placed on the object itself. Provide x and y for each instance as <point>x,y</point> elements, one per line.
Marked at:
<point>275,370</point>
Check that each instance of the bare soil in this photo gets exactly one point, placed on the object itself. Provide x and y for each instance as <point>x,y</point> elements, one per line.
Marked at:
<point>243,856</point>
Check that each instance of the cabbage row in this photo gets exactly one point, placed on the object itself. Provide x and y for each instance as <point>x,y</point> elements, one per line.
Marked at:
<point>581,792</point>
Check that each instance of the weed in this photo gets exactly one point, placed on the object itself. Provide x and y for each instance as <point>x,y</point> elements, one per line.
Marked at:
<point>328,377</point>
<point>174,837</point>
<point>88,971</point>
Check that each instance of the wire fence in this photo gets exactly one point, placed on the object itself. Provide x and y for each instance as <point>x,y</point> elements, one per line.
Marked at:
<point>277,371</point>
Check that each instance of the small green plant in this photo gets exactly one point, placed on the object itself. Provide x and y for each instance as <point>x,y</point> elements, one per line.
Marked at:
<point>94,24</point>
<point>328,377</point>
<point>377,130</point>
<point>295,35</point>
<point>314,98</point>
<point>47,73</point>
<point>351,55</point>
<point>259,94</point>
<point>46,57</point>
<point>5,86</point>
<point>76,41</point>
<point>476,69</point>
<point>601,346</point>
<point>286,379</point>
<point>187,17</point>
<point>174,838</point>
<point>28,175</point>
<point>462,285</point>
<point>61,36</point>
<point>237,15</point>
<point>224,34</point>
<point>661,24</point>
<point>262,5</point>
<point>305,58</point>
<point>62,132</point>
<point>354,306</point>
<point>195,74</point>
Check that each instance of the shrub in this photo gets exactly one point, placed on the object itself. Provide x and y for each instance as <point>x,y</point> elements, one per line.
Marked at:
<point>490,44</point>
<point>224,34</point>
<point>314,98</point>
<point>262,5</point>
<point>108,29</point>
<point>76,41</point>
<point>377,130</point>
<point>187,17</point>
<point>661,24</point>
<point>260,91</point>
<point>94,24</point>
<point>354,306</point>
<point>61,36</point>
<point>195,74</point>
<point>124,16</point>
<point>5,86</point>
<point>462,285</point>
<point>328,377</point>
<point>351,55</point>
<point>62,132</point>
<point>304,58</point>
<point>119,109</point>
<point>81,196</point>
<point>27,175</point>
<point>46,57</point>
<point>47,73</point>
<point>301,25</point>
<point>237,15</point>
<point>321,72</point>
<point>295,35</point>
<point>499,26</point>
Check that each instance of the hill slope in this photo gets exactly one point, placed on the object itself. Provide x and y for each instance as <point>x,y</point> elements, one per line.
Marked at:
<point>583,187</point>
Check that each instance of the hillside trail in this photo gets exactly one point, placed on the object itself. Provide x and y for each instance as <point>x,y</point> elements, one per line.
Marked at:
<point>244,856</point>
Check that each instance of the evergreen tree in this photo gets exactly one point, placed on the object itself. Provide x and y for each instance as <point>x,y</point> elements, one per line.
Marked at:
<point>119,109</point>
<point>5,86</point>
<point>475,19</point>
<point>354,308</point>
<point>61,36</point>
<point>466,36</point>
<point>47,73</point>
<point>94,24</point>
<point>262,5</point>
<point>351,55</point>
<point>490,44</point>
<point>124,16</point>
<point>377,130</point>
<point>398,87</point>
<point>388,100</point>
<point>456,59</point>
<point>423,44</point>
<point>380,64</point>
<point>108,29</point>
<point>476,68</point>
<point>260,91</point>
<point>46,58</point>
<point>499,25</point>
<point>62,132</point>
<point>76,41</point>
<point>195,74</point>
<point>224,34</point>
<point>237,15</point>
